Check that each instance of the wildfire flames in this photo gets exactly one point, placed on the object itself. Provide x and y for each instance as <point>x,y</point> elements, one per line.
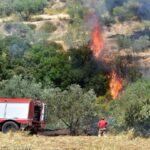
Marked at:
<point>115,85</point>
<point>97,45</point>
<point>97,42</point>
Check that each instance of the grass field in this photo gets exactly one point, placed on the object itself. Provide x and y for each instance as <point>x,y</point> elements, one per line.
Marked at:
<point>22,141</point>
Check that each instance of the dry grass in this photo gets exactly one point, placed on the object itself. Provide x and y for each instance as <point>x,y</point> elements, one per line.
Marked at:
<point>55,11</point>
<point>126,28</point>
<point>22,141</point>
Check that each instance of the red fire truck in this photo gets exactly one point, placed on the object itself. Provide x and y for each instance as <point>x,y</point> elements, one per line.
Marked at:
<point>19,113</point>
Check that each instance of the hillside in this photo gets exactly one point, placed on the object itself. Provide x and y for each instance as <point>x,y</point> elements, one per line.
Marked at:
<point>86,59</point>
<point>142,58</point>
<point>59,19</point>
<point>56,14</point>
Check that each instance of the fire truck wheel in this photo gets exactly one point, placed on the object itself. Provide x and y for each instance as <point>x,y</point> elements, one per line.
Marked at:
<point>9,126</point>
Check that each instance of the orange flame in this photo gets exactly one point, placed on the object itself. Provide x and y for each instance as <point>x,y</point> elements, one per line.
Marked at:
<point>97,42</point>
<point>97,45</point>
<point>115,85</point>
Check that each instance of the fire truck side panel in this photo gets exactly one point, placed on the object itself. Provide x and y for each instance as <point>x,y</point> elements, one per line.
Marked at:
<point>2,110</point>
<point>17,111</point>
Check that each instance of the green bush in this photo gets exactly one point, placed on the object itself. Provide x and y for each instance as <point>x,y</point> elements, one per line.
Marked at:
<point>48,27</point>
<point>123,41</point>
<point>110,4</point>
<point>133,74</point>
<point>32,26</point>
<point>128,11</point>
<point>18,86</point>
<point>5,7</point>
<point>141,44</point>
<point>76,9</point>
<point>24,7</point>
<point>74,107</point>
<point>108,21</point>
<point>18,29</point>
<point>134,107</point>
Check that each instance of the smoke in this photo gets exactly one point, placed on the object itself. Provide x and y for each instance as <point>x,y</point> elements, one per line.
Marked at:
<point>110,4</point>
<point>102,7</point>
<point>145,71</point>
<point>144,10</point>
<point>96,9</point>
<point>92,19</point>
<point>97,6</point>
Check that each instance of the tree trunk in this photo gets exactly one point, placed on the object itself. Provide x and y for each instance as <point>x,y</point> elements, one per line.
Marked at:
<point>73,131</point>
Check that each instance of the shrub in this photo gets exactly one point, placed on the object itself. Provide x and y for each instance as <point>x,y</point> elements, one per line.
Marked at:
<point>108,21</point>
<point>24,7</point>
<point>76,9</point>
<point>124,41</point>
<point>128,11</point>
<point>5,7</point>
<point>32,26</point>
<point>144,10</point>
<point>16,46</point>
<point>110,4</point>
<point>17,86</point>
<point>133,74</point>
<point>134,106</point>
<point>16,28</point>
<point>48,27</point>
<point>136,42</point>
<point>142,43</point>
<point>74,107</point>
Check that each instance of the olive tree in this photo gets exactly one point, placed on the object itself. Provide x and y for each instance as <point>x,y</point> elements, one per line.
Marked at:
<point>132,110</point>
<point>74,107</point>
<point>28,7</point>
<point>20,87</point>
<point>24,7</point>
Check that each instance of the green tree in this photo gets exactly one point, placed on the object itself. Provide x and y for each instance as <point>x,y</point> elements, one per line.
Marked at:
<point>111,4</point>
<point>86,71</point>
<point>4,65</point>
<point>53,64</point>
<point>74,107</point>
<point>5,7</point>
<point>24,7</point>
<point>124,41</point>
<point>48,62</point>
<point>134,106</point>
<point>16,46</point>
<point>128,11</point>
<point>20,87</point>
<point>141,44</point>
<point>28,7</point>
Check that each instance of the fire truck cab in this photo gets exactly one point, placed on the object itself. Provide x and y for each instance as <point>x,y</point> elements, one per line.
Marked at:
<point>16,113</point>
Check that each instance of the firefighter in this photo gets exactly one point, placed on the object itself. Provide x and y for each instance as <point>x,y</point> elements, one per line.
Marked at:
<point>102,125</point>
